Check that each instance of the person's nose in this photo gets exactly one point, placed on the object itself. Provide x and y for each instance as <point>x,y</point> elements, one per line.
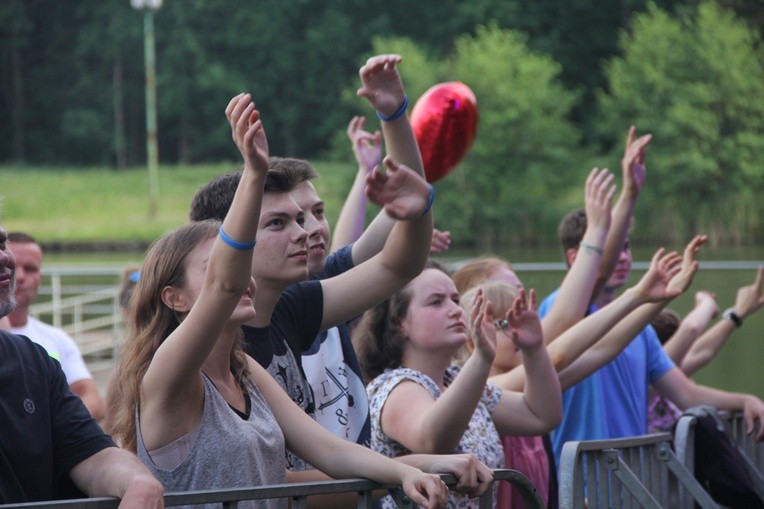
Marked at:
<point>312,226</point>
<point>300,234</point>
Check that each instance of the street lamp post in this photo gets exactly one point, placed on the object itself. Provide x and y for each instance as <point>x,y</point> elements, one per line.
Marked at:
<point>152,151</point>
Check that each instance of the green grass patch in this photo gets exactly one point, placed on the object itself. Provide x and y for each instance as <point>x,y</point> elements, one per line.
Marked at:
<point>101,204</point>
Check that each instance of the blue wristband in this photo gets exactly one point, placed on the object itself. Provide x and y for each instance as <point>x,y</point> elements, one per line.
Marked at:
<point>398,113</point>
<point>242,246</point>
<point>430,200</point>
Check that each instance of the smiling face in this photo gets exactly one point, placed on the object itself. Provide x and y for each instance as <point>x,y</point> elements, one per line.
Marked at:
<point>280,256</point>
<point>7,276</point>
<point>434,320</point>
<point>315,224</point>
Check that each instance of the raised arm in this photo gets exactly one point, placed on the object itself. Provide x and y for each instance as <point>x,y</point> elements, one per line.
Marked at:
<point>576,289</point>
<point>691,327</point>
<point>570,350</point>
<point>407,197</point>
<point>538,409</point>
<point>367,148</point>
<point>424,424</point>
<point>383,88</point>
<point>750,298</point>
<point>676,281</point>
<point>634,172</point>
<point>173,383</point>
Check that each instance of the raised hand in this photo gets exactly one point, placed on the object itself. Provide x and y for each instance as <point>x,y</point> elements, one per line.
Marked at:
<point>367,147</point>
<point>633,162</point>
<point>523,321</point>
<point>654,285</point>
<point>248,132</point>
<point>683,279</point>
<point>382,84</point>
<point>400,190</point>
<point>598,195</point>
<point>750,298</point>
<point>441,241</point>
<point>482,327</point>
<point>704,297</point>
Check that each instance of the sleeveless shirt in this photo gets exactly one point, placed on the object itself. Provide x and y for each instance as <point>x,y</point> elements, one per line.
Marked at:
<point>228,451</point>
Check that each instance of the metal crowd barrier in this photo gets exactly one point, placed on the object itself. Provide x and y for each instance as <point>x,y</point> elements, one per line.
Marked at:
<point>297,492</point>
<point>734,426</point>
<point>630,472</point>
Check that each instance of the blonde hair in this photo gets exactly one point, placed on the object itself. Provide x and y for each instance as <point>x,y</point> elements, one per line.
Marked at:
<point>150,322</point>
<point>478,271</point>
<point>500,294</point>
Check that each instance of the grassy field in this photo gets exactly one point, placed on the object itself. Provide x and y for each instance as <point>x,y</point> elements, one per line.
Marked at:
<point>70,205</point>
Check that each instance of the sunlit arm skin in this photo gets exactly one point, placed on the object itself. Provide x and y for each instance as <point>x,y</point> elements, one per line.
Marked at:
<point>685,393</point>
<point>341,458</point>
<point>403,193</point>
<point>750,299</point>
<point>114,472</point>
<point>678,279</point>
<point>634,172</point>
<point>691,327</point>
<point>600,336</point>
<point>383,88</point>
<point>577,286</point>
<point>473,478</point>
<point>439,424</point>
<point>87,390</point>
<point>367,148</point>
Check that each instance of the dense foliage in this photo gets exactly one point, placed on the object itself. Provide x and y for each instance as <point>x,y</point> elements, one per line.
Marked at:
<point>558,83</point>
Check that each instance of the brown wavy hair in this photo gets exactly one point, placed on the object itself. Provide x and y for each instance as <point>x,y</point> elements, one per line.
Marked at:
<point>378,338</point>
<point>150,322</point>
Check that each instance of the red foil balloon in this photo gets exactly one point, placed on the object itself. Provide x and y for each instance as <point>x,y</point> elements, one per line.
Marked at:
<point>444,120</point>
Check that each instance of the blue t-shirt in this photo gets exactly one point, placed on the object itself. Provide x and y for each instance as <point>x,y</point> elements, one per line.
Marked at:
<point>612,401</point>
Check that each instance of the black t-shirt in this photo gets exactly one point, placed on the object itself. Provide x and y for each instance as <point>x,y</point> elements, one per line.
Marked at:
<point>295,322</point>
<point>45,429</point>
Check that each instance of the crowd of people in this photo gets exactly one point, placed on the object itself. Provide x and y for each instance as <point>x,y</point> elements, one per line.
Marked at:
<point>261,349</point>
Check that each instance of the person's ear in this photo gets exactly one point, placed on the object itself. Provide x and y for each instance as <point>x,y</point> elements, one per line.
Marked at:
<point>570,255</point>
<point>174,299</point>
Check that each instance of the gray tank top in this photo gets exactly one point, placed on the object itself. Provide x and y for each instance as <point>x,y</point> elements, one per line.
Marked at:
<point>228,451</point>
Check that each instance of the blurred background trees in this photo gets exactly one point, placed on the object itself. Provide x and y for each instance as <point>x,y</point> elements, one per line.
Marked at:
<point>558,83</point>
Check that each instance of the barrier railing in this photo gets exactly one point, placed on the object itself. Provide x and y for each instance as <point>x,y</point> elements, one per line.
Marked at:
<point>297,492</point>
<point>734,427</point>
<point>630,472</point>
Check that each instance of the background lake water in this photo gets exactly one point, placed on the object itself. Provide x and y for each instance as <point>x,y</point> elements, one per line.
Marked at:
<point>738,367</point>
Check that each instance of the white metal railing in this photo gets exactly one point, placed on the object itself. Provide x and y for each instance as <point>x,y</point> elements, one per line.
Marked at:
<point>92,315</point>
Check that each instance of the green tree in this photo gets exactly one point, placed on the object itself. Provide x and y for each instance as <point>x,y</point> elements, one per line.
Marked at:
<point>696,81</point>
<point>525,154</point>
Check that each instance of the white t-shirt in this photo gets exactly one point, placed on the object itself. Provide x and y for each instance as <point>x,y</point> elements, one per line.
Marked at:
<point>59,346</point>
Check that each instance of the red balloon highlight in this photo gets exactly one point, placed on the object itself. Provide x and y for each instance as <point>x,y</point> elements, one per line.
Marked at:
<point>444,121</point>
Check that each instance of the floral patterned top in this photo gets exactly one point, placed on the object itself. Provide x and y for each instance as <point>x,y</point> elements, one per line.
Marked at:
<point>662,414</point>
<point>480,438</point>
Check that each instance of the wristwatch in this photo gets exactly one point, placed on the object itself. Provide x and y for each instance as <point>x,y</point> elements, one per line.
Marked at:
<point>730,315</point>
